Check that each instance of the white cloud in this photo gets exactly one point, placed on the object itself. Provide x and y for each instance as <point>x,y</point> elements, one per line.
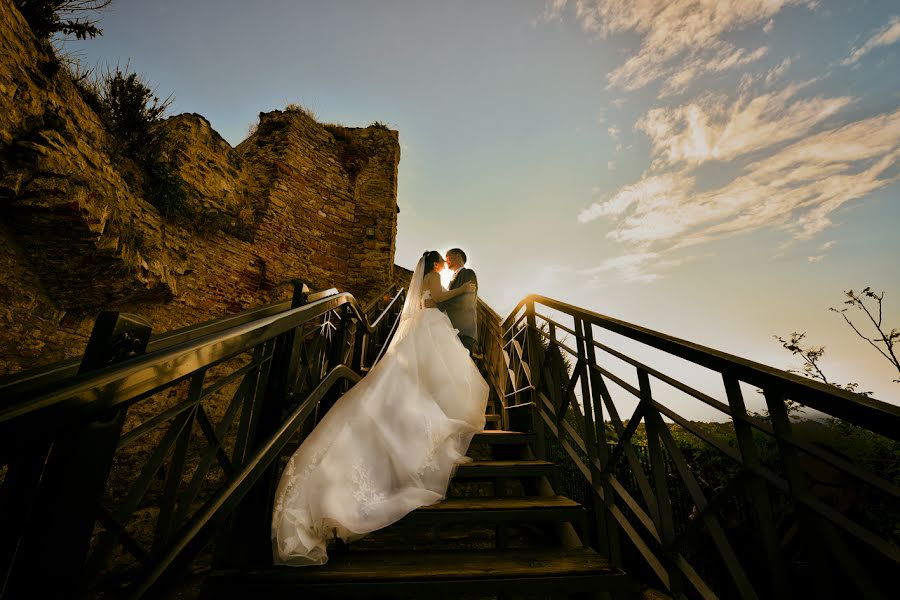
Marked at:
<point>649,192</point>
<point>822,248</point>
<point>553,10</point>
<point>887,35</point>
<point>711,128</point>
<point>631,268</point>
<point>775,73</point>
<point>611,165</point>
<point>797,188</point>
<point>613,133</point>
<point>680,39</point>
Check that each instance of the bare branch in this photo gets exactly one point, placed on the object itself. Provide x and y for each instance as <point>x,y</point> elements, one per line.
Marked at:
<point>853,327</point>
<point>888,339</point>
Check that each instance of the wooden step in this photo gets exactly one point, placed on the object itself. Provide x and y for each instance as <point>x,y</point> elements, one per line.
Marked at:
<point>492,421</point>
<point>500,436</point>
<point>452,537</point>
<point>498,510</point>
<point>490,469</point>
<point>427,574</point>
<point>488,436</point>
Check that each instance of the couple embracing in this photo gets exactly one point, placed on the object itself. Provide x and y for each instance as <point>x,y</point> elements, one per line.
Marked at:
<point>460,300</point>
<point>392,442</point>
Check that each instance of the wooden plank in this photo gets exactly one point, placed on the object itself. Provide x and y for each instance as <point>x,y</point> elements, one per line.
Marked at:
<point>549,509</point>
<point>500,436</point>
<point>504,468</point>
<point>614,584</point>
<point>372,567</point>
<point>531,503</point>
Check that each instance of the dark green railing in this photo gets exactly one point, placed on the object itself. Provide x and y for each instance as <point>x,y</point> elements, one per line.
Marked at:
<point>119,469</point>
<point>789,515</point>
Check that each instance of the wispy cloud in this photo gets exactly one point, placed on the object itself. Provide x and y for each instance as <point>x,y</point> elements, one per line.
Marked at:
<point>637,267</point>
<point>887,35</point>
<point>689,70</point>
<point>823,248</point>
<point>553,11</point>
<point>797,188</point>
<point>776,72</point>
<point>630,268</point>
<point>712,128</point>
<point>680,39</point>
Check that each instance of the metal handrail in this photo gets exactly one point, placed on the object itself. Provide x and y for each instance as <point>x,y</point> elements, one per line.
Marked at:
<point>32,381</point>
<point>231,495</point>
<point>594,437</point>
<point>877,415</point>
<point>53,430</point>
<point>88,396</point>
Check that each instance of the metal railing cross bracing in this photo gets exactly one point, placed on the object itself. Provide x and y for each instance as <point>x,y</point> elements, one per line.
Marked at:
<point>117,470</point>
<point>758,505</point>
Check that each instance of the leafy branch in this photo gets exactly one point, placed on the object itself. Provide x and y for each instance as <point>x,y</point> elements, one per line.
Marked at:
<point>811,356</point>
<point>49,17</point>
<point>887,340</point>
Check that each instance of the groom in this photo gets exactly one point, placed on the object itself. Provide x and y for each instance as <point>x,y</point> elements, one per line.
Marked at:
<point>462,310</point>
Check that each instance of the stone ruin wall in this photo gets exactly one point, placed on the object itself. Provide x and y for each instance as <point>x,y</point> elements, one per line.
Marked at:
<point>77,237</point>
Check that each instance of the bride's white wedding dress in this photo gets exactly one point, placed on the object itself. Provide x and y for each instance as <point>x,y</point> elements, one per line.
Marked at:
<point>387,446</point>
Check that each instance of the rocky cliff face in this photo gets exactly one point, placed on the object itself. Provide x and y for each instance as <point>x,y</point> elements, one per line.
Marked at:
<point>295,200</point>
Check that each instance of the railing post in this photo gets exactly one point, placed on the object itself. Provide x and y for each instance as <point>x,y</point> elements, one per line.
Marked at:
<point>663,518</point>
<point>336,354</point>
<point>607,532</point>
<point>57,533</point>
<point>756,489</point>
<point>360,341</point>
<point>823,579</point>
<point>338,350</point>
<point>249,540</point>
<point>534,364</point>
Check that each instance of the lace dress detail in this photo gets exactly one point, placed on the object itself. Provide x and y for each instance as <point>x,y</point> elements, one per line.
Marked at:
<point>366,492</point>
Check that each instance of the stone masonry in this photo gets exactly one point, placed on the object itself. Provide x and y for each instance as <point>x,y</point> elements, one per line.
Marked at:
<point>304,201</point>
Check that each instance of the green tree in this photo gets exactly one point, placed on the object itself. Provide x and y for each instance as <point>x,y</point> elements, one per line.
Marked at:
<point>133,112</point>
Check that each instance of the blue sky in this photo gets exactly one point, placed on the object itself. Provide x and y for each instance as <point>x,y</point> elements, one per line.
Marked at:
<point>719,171</point>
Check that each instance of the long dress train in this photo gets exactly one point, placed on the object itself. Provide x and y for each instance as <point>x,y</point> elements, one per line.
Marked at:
<point>388,446</point>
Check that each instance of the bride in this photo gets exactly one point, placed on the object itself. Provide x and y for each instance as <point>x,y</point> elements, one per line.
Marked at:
<point>391,443</point>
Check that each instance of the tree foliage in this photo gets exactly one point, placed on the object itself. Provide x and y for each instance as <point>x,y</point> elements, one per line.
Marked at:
<point>869,304</point>
<point>811,356</point>
<point>133,112</point>
<point>68,17</point>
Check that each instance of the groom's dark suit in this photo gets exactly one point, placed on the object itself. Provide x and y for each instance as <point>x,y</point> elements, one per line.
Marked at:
<point>463,310</point>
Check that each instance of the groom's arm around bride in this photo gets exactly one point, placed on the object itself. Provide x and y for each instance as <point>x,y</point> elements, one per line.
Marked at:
<point>462,310</point>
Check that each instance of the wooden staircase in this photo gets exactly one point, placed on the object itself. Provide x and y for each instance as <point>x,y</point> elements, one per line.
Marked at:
<point>502,532</point>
